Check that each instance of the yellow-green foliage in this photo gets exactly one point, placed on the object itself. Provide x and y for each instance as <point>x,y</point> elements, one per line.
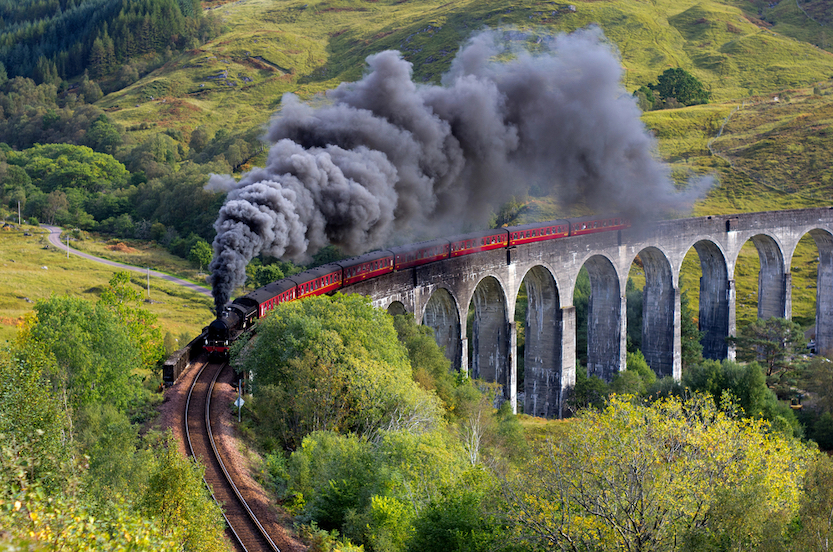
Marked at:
<point>655,477</point>
<point>176,498</point>
<point>334,363</point>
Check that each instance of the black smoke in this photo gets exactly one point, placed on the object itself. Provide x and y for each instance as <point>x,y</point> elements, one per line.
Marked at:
<point>386,155</point>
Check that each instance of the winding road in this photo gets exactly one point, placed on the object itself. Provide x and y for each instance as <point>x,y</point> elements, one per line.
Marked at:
<point>55,239</point>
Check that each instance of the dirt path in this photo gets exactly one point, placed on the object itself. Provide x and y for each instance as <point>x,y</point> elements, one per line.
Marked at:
<point>55,239</point>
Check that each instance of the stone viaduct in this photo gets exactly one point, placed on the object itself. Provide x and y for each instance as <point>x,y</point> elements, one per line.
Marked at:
<point>439,295</point>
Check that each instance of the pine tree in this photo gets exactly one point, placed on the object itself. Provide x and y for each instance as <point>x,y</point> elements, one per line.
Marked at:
<point>97,60</point>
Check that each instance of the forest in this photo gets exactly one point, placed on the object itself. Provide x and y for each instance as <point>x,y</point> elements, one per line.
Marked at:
<point>379,446</point>
<point>52,41</point>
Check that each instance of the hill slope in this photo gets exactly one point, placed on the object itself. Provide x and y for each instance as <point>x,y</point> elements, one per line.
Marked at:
<point>273,47</point>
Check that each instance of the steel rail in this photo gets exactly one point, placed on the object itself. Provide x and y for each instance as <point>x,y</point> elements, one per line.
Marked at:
<point>226,477</point>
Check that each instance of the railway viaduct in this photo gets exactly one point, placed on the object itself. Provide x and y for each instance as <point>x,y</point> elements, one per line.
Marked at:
<point>439,295</point>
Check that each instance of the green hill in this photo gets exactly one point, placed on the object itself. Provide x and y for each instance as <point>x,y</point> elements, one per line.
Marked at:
<point>272,47</point>
<point>268,48</point>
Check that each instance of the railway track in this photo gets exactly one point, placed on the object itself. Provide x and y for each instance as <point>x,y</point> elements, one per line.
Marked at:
<point>245,530</point>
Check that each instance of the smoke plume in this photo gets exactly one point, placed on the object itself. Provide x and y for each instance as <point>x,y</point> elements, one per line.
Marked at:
<point>386,155</point>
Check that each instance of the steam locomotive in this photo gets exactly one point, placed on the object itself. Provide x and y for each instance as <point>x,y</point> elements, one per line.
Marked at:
<point>240,315</point>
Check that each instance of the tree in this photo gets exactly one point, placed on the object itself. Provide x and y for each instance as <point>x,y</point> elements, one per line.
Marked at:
<point>682,86</point>
<point>177,497</point>
<point>633,300</point>
<point>267,274</point>
<point>645,98</point>
<point>201,254</point>
<point>140,325</point>
<point>818,379</point>
<point>31,414</point>
<point>103,136</point>
<point>90,90</point>
<point>816,524</point>
<point>334,364</point>
<point>745,383</point>
<point>199,139</point>
<point>431,368</point>
<point>775,343</point>
<point>666,476</point>
<point>95,358</point>
<point>637,379</point>
<point>56,204</point>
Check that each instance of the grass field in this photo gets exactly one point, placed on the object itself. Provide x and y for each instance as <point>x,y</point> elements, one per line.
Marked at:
<point>31,272</point>
<point>270,47</point>
<point>142,254</point>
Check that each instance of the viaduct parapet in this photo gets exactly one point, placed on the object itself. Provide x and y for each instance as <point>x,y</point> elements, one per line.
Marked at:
<point>439,295</point>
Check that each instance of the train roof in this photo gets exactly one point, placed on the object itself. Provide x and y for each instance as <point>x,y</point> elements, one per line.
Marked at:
<point>420,245</point>
<point>543,224</point>
<point>270,290</point>
<point>313,273</point>
<point>372,256</point>
<point>478,234</point>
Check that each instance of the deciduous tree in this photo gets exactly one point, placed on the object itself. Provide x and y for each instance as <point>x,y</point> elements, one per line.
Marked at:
<point>775,343</point>
<point>650,478</point>
<point>337,349</point>
<point>201,254</point>
<point>682,86</point>
<point>95,357</point>
<point>123,299</point>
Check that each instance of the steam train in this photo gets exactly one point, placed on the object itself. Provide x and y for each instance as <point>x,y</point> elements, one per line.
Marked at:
<point>239,315</point>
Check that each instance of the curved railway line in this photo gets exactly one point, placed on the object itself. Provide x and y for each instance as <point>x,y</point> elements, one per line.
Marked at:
<point>244,529</point>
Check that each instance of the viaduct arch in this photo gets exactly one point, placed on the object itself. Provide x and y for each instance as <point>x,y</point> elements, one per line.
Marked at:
<point>439,295</point>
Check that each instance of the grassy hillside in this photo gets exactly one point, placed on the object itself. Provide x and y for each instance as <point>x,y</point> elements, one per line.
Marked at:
<point>33,271</point>
<point>272,47</point>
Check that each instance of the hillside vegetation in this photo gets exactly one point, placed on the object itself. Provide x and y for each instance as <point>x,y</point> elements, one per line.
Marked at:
<point>269,48</point>
<point>235,82</point>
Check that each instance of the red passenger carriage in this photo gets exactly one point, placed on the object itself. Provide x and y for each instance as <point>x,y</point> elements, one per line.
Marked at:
<point>479,241</point>
<point>408,256</point>
<point>366,266</point>
<point>538,231</point>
